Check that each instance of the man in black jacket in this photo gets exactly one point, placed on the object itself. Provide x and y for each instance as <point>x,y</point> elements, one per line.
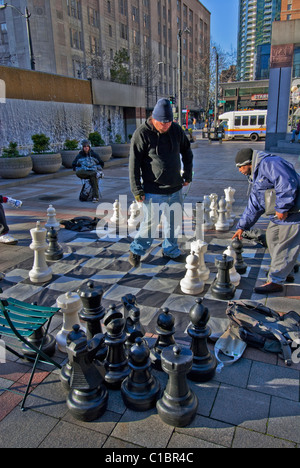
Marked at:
<point>158,149</point>
<point>86,164</point>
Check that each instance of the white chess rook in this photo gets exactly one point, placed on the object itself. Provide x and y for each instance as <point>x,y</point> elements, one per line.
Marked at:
<point>40,272</point>
<point>200,249</point>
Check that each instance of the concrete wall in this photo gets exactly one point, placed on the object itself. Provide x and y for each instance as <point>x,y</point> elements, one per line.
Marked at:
<point>115,94</point>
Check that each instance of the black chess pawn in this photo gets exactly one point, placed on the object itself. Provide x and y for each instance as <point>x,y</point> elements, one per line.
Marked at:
<point>165,330</point>
<point>115,363</point>
<point>93,311</point>
<point>204,362</point>
<point>133,327</point>
<point>38,339</point>
<point>66,370</point>
<point>140,390</point>
<point>178,405</point>
<point>87,399</point>
<point>222,288</point>
<point>129,303</point>
<point>54,251</point>
<point>240,265</point>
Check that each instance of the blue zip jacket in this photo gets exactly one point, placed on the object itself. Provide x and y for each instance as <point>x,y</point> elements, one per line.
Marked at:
<point>270,171</point>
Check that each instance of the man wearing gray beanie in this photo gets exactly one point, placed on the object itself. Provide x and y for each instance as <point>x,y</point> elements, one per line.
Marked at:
<point>158,153</point>
<point>268,172</point>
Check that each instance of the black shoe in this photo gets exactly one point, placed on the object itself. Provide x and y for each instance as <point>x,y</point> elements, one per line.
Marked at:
<point>269,288</point>
<point>134,260</point>
<point>180,259</point>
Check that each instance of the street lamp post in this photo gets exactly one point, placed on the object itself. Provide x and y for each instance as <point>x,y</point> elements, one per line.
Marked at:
<point>179,47</point>
<point>26,16</point>
<point>216,90</point>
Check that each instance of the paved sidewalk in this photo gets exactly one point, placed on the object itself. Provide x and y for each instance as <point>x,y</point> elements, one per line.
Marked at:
<point>254,403</point>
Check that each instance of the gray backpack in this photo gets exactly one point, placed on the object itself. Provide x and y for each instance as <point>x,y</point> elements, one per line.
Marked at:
<point>263,328</point>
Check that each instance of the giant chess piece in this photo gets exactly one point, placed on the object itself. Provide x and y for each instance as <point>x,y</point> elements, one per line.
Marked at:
<point>178,405</point>
<point>115,363</point>
<point>134,210</point>
<point>235,277</point>
<point>132,315</point>
<point>229,197</point>
<point>165,330</point>
<point>88,396</point>
<point>54,251</point>
<point>117,216</point>
<point>47,343</point>
<point>70,306</point>
<point>140,390</point>
<point>66,370</point>
<point>192,283</point>
<point>40,272</point>
<point>240,265</point>
<point>200,249</point>
<point>222,223</point>
<point>222,288</point>
<point>52,221</point>
<point>92,312</point>
<point>204,362</point>
<point>208,223</point>
<point>213,208</point>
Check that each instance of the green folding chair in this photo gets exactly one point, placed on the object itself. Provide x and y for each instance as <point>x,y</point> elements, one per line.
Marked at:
<point>19,321</point>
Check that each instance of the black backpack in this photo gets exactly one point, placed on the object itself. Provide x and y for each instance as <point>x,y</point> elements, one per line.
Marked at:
<point>263,328</point>
<point>86,193</point>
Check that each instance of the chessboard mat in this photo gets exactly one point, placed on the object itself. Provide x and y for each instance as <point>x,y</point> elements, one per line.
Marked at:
<point>155,283</point>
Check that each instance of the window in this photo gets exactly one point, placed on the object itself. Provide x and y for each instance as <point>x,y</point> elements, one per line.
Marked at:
<point>75,39</point>
<point>245,120</point>
<point>253,119</point>
<point>237,121</point>
<point>261,120</point>
<point>3,34</point>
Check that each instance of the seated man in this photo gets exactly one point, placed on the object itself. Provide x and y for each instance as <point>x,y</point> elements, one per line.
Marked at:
<point>87,165</point>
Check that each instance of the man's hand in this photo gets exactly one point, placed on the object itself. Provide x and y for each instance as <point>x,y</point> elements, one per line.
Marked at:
<point>281,216</point>
<point>140,198</point>
<point>238,234</point>
<point>185,184</point>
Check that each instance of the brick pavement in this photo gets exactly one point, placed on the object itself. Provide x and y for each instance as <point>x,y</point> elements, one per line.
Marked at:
<point>254,403</point>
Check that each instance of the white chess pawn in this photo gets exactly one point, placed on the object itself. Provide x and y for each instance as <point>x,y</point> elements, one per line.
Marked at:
<point>222,224</point>
<point>200,249</point>
<point>235,277</point>
<point>52,221</point>
<point>134,212</point>
<point>213,207</point>
<point>191,283</point>
<point>117,216</point>
<point>208,224</point>
<point>40,272</point>
<point>70,305</point>
<point>229,197</point>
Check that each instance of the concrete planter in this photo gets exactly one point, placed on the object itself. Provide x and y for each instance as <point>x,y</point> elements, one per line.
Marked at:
<point>15,168</point>
<point>120,150</point>
<point>46,163</point>
<point>68,157</point>
<point>105,152</point>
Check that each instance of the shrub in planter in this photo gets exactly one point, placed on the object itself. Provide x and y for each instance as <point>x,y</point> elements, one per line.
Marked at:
<point>98,145</point>
<point>119,149</point>
<point>69,153</point>
<point>12,164</point>
<point>44,162</point>
<point>96,139</point>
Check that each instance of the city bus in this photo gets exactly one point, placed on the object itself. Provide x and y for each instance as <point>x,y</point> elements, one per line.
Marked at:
<point>250,124</point>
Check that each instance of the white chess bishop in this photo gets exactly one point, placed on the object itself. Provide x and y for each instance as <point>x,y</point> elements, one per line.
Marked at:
<point>40,272</point>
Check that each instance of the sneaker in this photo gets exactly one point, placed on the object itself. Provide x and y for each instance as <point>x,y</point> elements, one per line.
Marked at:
<point>134,260</point>
<point>14,203</point>
<point>269,288</point>
<point>8,239</point>
<point>2,276</point>
<point>95,200</point>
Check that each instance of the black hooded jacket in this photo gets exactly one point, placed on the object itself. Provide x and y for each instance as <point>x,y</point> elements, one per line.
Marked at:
<point>155,163</point>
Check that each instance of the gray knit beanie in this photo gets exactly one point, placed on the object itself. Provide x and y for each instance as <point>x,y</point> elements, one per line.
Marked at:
<point>244,157</point>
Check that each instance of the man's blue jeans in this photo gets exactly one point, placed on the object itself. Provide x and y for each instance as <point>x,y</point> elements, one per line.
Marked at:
<point>154,206</point>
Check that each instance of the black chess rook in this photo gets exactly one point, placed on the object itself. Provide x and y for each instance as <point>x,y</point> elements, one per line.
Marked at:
<point>222,288</point>
<point>178,405</point>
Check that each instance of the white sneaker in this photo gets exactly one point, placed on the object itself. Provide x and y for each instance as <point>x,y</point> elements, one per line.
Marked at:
<point>8,239</point>
<point>14,203</point>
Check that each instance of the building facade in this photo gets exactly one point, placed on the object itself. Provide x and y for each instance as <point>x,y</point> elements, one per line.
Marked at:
<point>254,37</point>
<point>87,38</point>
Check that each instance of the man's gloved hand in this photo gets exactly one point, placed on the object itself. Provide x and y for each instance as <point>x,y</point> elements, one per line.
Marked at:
<point>140,198</point>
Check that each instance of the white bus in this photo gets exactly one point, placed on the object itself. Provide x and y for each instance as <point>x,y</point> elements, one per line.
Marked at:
<point>244,124</point>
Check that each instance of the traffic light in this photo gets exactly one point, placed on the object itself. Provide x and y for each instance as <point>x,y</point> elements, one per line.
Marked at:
<point>172,99</point>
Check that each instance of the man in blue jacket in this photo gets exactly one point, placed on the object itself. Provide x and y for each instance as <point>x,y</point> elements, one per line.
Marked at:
<point>267,171</point>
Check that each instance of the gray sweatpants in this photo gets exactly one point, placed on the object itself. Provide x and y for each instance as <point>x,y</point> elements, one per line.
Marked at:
<point>284,247</point>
